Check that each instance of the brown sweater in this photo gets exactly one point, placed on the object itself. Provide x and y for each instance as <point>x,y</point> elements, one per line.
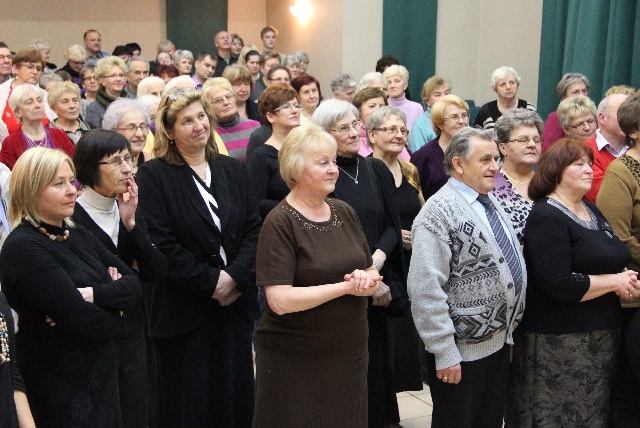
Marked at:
<point>619,201</point>
<point>293,250</point>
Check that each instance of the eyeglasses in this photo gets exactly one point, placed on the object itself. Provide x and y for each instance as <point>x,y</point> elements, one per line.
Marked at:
<point>90,78</point>
<point>117,161</point>
<point>220,100</point>
<point>392,130</point>
<point>455,118</point>
<point>131,129</point>
<point>5,57</point>
<point>344,129</point>
<point>37,68</point>
<point>287,107</point>
<point>524,140</point>
<point>590,123</point>
<point>115,76</point>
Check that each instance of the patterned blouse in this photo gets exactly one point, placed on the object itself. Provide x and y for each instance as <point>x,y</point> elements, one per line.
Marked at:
<point>516,207</point>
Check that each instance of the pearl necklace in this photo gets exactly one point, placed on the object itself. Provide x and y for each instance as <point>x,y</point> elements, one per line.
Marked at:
<point>357,171</point>
<point>515,181</point>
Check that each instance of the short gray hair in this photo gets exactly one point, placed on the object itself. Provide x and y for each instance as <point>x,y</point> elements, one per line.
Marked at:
<point>341,82</point>
<point>568,80</point>
<point>396,69</point>
<point>331,111</point>
<point>20,92</point>
<point>459,145</point>
<point>182,53</point>
<point>143,86</point>
<point>501,74</point>
<point>369,79</point>
<point>302,56</point>
<point>48,78</point>
<point>39,44</point>
<point>377,117</point>
<point>118,109</point>
<point>136,58</point>
<point>514,119</point>
<point>291,60</point>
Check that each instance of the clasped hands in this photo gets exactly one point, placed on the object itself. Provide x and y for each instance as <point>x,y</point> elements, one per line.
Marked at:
<point>363,283</point>
<point>627,285</point>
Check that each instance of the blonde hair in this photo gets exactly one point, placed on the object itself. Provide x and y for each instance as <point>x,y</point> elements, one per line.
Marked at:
<point>56,91</point>
<point>399,70</point>
<point>293,153</point>
<point>105,64</point>
<point>32,173</point>
<point>170,105</point>
<point>431,84</point>
<point>437,110</point>
<point>216,83</point>
<point>572,106</point>
<point>76,53</point>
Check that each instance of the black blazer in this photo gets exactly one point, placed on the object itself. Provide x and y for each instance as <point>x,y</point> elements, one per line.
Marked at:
<point>180,225</point>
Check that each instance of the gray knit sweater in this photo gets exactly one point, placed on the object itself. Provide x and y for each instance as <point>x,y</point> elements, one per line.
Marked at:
<point>462,295</point>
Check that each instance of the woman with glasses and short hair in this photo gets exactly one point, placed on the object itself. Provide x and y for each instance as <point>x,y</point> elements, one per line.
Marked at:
<point>367,185</point>
<point>519,142</point>
<point>130,119</point>
<point>28,105</point>
<point>28,65</point>
<point>89,87</point>
<point>448,116</point>
<point>233,129</point>
<point>111,73</point>
<point>578,118</point>
<point>104,166</point>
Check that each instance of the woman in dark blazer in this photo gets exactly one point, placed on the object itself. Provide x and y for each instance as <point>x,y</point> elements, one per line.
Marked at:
<point>200,214</point>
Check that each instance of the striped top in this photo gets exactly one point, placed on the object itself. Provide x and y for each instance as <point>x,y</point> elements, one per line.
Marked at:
<point>236,138</point>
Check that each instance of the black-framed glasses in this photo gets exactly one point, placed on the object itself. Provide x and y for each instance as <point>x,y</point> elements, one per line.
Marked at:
<point>524,140</point>
<point>590,123</point>
<point>392,130</point>
<point>131,129</point>
<point>117,161</point>
<point>455,118</point>
<point>344,129</point>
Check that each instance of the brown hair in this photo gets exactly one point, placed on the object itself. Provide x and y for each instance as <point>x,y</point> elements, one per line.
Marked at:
<point>366,94</point>
<point>28,55</point>
<point>552,164</point>
<point>273,97</point>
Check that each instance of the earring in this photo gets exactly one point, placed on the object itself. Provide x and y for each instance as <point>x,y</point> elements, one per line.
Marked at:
<point>171,142</point>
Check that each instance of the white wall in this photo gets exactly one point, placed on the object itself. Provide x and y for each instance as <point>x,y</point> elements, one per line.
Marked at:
<point>62,23</point>
<point>475,37</point>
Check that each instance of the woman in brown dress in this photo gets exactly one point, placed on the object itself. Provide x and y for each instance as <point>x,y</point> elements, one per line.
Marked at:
<point>315,264</point>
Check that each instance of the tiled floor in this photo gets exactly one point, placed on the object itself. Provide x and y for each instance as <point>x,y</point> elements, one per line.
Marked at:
<point>415,408</point>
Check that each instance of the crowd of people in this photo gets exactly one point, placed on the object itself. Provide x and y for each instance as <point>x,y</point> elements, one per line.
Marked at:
<point>203,239</point>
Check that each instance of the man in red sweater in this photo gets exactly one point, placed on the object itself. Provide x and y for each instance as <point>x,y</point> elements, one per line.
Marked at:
<point>608,143</point>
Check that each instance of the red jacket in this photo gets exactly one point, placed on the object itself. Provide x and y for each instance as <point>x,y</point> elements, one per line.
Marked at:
<point>601,160</point>
<point>13,146</point>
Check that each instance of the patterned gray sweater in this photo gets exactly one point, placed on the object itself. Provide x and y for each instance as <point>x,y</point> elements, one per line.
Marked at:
<point>462,295</point>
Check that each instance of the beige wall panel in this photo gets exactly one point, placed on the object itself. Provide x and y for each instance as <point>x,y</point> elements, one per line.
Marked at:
<point>247,18</point>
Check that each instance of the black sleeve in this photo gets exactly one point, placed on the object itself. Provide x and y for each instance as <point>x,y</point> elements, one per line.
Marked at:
<point>259,181</point>
<point>256,139</point>
<point>152,264</point>
<point>482,115</point>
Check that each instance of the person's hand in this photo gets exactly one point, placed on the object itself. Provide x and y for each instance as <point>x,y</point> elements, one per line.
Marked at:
<point>382,296</point>
<point>379,257</point>
<point>114,273</point>
<point>226,291</point>
<point>451,374</point>
<point>362,283</point>
<point>87,293</point>
<point>406,239</point>
<point>627,285</point>
<point>128,208</point>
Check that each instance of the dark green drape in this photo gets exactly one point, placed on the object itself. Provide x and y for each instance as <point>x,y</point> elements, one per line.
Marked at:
<point>192,25</point>
<point>409,34</point>
<point>600,39</point>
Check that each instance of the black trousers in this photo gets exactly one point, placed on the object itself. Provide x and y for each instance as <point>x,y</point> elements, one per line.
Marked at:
<point>478,401</point>
<point>133,380</point>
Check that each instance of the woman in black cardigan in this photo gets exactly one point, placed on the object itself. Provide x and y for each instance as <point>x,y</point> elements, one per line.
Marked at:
<point>104,165</point>
<point>70,294</point>
<point>200,214</point>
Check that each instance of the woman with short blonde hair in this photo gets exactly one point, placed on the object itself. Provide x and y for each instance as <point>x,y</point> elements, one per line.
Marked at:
<point>397,82</point>
<point>578,118</point>
<point>111,72</point>
<point>64,99</point>
<point>434,88</point>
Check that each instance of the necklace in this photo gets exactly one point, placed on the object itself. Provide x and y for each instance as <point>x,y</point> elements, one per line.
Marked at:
<point>515,181</point>
<point>357,171</point>
<point>41,229</point>
<point>36,143</point>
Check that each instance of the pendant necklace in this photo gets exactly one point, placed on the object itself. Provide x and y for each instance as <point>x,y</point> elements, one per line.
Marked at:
<point>357,171</point>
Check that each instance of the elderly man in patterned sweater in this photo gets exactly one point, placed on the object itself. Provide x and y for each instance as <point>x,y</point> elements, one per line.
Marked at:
<point>467,287</point>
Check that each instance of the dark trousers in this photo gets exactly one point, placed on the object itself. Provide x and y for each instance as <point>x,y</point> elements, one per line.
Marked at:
<point>133,380</point>
<point>478,401</point>
<point>383,404</point>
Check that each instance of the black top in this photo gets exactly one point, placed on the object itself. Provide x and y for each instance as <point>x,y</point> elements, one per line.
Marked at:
<point>560,253</point>
<point>408,203</point>
<point>180,225</point>
<point>221,64</point>
<point>267,186</point>
<point>10,378</point>
<point>490,113</point>
<point>69,369</point>
<point>252,111</point>
<point>256,139</point>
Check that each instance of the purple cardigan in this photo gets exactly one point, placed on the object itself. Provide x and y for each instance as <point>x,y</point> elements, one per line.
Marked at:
<point>429,160</point>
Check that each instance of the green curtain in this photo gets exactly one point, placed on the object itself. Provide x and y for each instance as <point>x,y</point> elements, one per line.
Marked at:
<point>598,38</point>
<point>415,49</point>
<point>192,25</point>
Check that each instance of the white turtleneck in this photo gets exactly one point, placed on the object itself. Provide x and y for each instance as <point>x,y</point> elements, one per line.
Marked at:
<point>103,211</point>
